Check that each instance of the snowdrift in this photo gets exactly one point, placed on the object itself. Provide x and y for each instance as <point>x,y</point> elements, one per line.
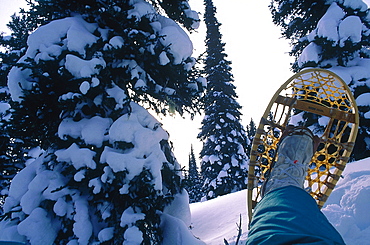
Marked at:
<point>347,209</point>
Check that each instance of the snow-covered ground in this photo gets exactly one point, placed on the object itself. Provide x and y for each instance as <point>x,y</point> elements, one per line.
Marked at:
<point>215,220</point>
<point>347,209</point>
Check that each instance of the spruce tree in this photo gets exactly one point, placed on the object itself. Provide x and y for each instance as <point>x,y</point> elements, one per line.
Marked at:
<point>251,132</point>
<point>193,179</point>
<point>297,18</point>
<point>7,169</point>
<point>107,173</point>
<point>338,40</point>
<point>224,159</point>
<point>13,148</point>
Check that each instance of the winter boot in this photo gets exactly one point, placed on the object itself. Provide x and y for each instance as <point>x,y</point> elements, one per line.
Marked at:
<point>296,148</point>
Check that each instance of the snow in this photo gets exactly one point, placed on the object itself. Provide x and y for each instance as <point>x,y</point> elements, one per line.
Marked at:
<point>346,209</point>
<point>163,59</point>
<point>230,116</point>
<point>60,207</point>
<point>328,24</point>
<point>31,186</point>
<point>133,236</point>
<point>118,94</point>
<point>38,221</point>
<point>9,232</point>
<point>20,185</point>
<point>92,131</point>
<point>193,15</point>
<point>95,82</point>
<point>140,8</point>
<point>38,195</point>
<point>212,220</point>
<point>176,232</point>
<point>363,99</point>
<point>172,35</point>
<point>116,42</point>
<point>323,120</point>
<point>179,208</point>
<point>84,87</point>
<point>144,132</point>
<point>48,42</point>
<point>35,188</point>
<point>350,29</point>
<point>4,107</point>
<point>80,68</point>
<point>82,227</point>
<point>355,4</point>
<point>202,81</point>
<point>334,26</point>
<point>138,128</point>
<point>20,82</point>
<point>342,30</point>
<point>179,43</point>
<point>35,183</point>
<point>367,116</point>
<point>78,157</point>
<point>73,34</point>
<point>310,53</point>
<point>69,96</point>
<point>216,219</point>
<point>77,31</point>
<point>106,234</point>
<point>129,217</point>
<point>97,184</point>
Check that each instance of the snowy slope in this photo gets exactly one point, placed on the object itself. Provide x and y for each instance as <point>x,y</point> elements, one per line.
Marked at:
<point>216,219</point>
<point>347,209</point>
<point>348,206</point>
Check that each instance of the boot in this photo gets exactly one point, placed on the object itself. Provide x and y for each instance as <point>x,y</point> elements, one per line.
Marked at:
<point>295,150</point>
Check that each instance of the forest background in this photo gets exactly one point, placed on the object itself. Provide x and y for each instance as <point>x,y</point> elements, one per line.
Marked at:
<point>259,56</point>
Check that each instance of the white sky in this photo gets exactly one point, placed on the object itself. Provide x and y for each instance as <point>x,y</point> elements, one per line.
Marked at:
<point>260,63</point>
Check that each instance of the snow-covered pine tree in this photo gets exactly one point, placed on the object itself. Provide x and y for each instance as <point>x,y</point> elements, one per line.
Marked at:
<point>107,174</point>
<point>224,159</point>
<point>297,18</point>
<point>7,168</point>
<point>193,182</point>
<point>13,149</point>
<point>339,41</point>
<point>251,132</point>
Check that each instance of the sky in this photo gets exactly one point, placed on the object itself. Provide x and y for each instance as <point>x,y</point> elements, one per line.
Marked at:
<point>259,56</point>
<point>260,64</point>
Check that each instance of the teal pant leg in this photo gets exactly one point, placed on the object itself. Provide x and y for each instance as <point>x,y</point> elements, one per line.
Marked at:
<point>289,215</point>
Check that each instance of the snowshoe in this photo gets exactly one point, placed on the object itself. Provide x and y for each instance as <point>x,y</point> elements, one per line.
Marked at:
<point>317,99</point>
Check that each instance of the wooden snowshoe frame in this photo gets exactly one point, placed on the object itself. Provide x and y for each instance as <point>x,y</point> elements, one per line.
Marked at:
<point>322,94</point>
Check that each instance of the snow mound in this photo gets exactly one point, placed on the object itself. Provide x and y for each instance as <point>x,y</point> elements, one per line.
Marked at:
<point>348,206</point>
<point>216,219</point>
